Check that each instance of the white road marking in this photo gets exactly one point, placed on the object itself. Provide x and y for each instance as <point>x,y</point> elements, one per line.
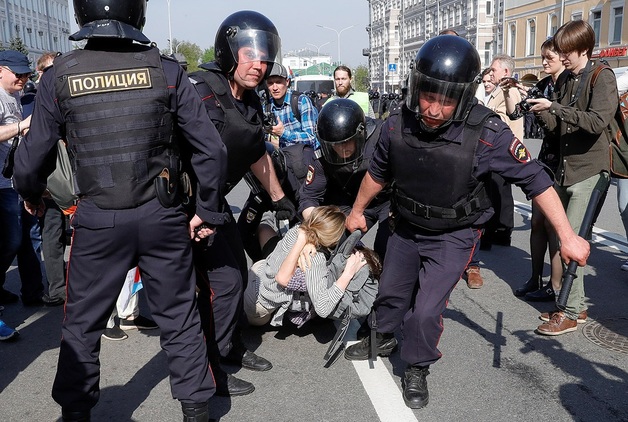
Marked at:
<point>382,390</point>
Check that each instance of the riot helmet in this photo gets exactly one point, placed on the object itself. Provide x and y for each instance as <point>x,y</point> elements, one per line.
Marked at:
<point>246,29</point>
<point>445,71</point>
<point>110,19</point>
<point>341,129</point>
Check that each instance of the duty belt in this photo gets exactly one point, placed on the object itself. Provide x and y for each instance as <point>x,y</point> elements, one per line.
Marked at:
<point>461,209</point>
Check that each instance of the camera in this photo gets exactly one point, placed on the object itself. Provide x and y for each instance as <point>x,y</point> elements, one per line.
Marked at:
<point>533,93</point>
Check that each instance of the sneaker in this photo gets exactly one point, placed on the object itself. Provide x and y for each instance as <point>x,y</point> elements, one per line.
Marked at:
<point>624,266</point>
<point>557,325</point>
<point>474,278</point>
<point>415,393</point>
<point>6,332</point>
<point>582,316</point>
<point>139,323</point>
<point>114,334</point>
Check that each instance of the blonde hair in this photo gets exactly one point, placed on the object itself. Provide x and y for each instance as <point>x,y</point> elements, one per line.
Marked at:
<point>324,226</point>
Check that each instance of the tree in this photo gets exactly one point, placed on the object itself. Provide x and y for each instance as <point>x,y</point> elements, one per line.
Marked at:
<point>16,44</point>
<point>361,75</point>
<point>208,55</point>
<point>191,52</point>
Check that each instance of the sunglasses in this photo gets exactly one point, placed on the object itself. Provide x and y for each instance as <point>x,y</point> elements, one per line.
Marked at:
<point>18,75</point>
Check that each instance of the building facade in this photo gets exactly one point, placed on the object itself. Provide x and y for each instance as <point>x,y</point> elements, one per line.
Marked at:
<point>42,25</point>
<point>398,28</point>
<point>529,23</point>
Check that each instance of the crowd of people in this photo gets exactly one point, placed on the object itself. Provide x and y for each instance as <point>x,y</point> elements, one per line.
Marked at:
<point>155,151</point>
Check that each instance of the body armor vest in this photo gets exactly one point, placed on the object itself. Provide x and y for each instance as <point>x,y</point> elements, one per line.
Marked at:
<point>343,182</point>
<point>119,126</point>
<point>239,135</point>
<point>434,185</point>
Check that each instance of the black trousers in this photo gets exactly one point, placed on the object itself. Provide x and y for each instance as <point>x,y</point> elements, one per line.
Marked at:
<point>106,244</point>
<point>53,247</point>
<point>420,271</point>
<point>222,275</point>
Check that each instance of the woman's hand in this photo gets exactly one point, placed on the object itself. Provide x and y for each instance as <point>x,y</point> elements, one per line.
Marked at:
<point>305,257</point>
<point>354,263</point>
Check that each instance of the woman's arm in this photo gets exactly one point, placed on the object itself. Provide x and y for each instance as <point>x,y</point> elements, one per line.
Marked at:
<point>289,265</point>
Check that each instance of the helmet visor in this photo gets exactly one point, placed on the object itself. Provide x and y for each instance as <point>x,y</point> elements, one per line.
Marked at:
<point>253,45</point>
<point>438,102</point>
<point>345,151</point>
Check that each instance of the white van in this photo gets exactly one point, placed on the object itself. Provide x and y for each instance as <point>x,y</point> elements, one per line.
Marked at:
<point>316,83</point>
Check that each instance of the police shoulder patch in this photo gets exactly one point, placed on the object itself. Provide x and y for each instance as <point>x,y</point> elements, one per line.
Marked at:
<point>519,151</point>
<point>309,178</point>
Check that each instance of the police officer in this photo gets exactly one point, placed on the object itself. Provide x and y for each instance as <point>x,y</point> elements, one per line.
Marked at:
<point>291,170</point>
<point>347,143</point>
<point>118,103</point>
<point>438,150</point>
<point>246,45</point>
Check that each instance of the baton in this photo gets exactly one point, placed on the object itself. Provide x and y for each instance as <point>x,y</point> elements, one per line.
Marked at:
<point>570,273</point>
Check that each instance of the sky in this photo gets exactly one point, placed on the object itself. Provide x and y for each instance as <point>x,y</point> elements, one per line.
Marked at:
<point>197,21</point>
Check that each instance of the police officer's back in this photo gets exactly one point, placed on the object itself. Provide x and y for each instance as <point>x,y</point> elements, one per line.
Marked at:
<point>117,103</point>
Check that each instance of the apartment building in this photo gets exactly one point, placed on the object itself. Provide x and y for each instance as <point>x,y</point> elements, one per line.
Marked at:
<point>398,28</point>
<point>529,23</point>
<point>43,25</point>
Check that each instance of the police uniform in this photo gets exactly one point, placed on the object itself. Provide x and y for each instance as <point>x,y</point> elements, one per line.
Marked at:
<point>119,105</point>
<point>435,230</point>
<point>223,265</point>
<point>329,184</point>
<point>291,169</point>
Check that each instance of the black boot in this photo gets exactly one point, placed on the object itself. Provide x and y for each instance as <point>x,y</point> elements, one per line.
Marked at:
<point>545,294</point>
<point>80,416</point>
<point>386,344</point>
<point>195,412</point>
<point>414,384</point>
<point>229,386</point>
<point>240,355</point>
<point>531,285</point>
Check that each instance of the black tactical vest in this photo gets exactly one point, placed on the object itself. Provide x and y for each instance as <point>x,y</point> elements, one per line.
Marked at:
<point>240,136</point>
<point>343,182</point>
<point>434,184</point>
<point>119,126</point>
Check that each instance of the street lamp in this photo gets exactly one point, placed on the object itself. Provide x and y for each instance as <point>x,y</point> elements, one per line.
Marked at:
<point>338,34</point>
<point>318,52</point>
<point>169,28</point>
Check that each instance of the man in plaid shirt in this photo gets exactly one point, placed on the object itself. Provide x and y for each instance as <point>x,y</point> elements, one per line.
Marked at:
<point>296,118</point>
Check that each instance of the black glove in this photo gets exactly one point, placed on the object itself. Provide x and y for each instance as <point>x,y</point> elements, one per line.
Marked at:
<point>285,209</point>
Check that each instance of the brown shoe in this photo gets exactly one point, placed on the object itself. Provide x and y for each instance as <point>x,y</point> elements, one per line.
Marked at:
<point>474,278</point>
<point>557,325</point>
<point>582,316</point>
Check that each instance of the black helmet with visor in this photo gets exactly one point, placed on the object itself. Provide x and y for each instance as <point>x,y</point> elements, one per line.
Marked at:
<point>341,131</point>
<point>447,68</point>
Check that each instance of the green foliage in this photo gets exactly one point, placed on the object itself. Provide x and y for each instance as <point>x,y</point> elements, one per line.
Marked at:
<point>16,44</point>
<point>361,77</point>
<point>192,52</point>
<point>208,55</point>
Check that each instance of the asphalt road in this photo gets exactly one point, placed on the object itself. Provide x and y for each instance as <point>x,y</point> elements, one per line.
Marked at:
<point>494,367</point>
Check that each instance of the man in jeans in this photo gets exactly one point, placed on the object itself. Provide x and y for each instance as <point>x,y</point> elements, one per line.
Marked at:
<point>581,116</point>
<point>15,222</point>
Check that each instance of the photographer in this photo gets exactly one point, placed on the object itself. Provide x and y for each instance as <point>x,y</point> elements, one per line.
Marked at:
<point>548,87</point>
<point>580,117</point>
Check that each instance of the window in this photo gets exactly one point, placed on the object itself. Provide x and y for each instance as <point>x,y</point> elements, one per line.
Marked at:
<point>513,39</point>
<point>577,16</point>
<point>596,23</point>
<point>531,37</point>
<point>617,18</point>
<point>553,26</point>
<point>487,53</point>
<point>489,10</point>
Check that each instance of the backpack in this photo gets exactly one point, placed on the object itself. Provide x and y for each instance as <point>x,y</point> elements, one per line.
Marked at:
<point>618,131</point>
<point>60,183</point>
<point>360,294</point>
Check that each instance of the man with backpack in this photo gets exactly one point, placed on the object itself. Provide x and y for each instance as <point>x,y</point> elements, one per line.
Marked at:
<point>294,111</point>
